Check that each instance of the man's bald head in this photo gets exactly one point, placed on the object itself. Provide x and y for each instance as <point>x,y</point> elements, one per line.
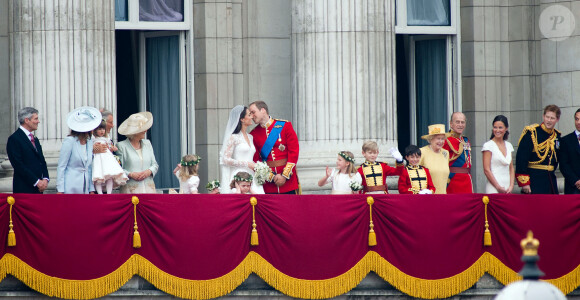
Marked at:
<point>457,122</point>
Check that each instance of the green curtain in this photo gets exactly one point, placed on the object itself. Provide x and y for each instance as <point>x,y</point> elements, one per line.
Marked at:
<point>163,98</point>
<point>431,84</point>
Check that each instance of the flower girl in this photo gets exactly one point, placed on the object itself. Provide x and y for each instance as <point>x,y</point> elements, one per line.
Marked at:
<point>186,172</point>
<point>106,168</point>
<point>345,179</point>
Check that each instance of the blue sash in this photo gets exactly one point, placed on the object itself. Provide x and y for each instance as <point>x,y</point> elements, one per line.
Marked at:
<point>460,161</point>
<point>271,140</point>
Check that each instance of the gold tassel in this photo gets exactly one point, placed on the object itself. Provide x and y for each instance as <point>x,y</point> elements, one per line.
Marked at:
<point>487,233</point>
<point>254,236</point>
<point>136,236</point>
<point>11,234</point>
<point>372,235</point>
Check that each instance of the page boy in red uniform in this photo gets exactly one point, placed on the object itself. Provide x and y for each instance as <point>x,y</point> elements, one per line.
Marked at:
<point>415,179</point>
<point>374,174</point>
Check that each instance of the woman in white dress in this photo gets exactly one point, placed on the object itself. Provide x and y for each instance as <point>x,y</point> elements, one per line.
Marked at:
<point>497,159</point>
<point>237,153</point>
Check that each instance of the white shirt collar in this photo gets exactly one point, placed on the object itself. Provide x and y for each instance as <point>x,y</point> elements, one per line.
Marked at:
<point>25,131</point>
<point>577,133</point>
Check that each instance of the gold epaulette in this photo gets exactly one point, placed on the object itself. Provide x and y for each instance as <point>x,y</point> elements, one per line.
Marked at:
<point>532,127</point>
<point>282,120</point>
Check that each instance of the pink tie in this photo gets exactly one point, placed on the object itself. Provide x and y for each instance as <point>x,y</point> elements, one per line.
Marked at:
<point>32,140</point>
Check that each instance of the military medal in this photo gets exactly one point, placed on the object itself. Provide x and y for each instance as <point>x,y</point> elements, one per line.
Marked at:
<point>281,147</point>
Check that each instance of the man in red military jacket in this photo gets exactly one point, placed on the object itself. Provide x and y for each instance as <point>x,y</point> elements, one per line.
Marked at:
<point>277,144</point>
<point>459,149</point>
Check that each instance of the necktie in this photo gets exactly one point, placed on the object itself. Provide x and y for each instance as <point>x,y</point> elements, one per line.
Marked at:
<point>32,140</point>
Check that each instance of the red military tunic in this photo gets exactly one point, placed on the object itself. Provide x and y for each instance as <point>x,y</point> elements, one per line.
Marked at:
<point>374,175</point>
<point>459,149</point>
<point>282,158</point>
<point>414,179</point>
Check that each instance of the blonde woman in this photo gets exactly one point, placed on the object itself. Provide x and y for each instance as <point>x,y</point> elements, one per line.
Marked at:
<point>136,154</point>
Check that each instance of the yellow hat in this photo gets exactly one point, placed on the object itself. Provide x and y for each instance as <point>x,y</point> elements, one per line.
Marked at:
<point>436,129</point>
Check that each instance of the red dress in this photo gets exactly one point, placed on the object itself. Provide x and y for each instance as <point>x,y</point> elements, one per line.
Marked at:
<point>374,175</point>
<point>414,179</point>
<point>282,158</point>
<point>459,149</point>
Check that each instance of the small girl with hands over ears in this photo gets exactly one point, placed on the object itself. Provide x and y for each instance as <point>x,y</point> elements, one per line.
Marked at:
<point>345,179</point>
<point>186,172</point>
<point>106,168</point>
<point>242,183</point>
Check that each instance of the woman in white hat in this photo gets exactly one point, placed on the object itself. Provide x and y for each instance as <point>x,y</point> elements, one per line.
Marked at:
<point>136,154</point>
<point>435,158</point>
<point>74,170</point>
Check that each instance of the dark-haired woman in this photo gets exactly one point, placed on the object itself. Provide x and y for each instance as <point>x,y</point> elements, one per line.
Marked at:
<point>75,162</point>
<point>497,159</point>
<point>238,149</point>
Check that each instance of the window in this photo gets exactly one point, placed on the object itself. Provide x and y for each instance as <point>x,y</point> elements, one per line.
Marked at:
<point>152,14</point>
<point>428,65</point>
<point>427,16</point>
<point>154,48</point>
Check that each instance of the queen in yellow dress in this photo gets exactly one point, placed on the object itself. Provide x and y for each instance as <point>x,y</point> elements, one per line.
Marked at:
<point>435,158</point>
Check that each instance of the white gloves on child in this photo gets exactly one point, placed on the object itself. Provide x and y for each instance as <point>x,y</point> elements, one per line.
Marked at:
<point>425,192</point>
<point>396,154</point>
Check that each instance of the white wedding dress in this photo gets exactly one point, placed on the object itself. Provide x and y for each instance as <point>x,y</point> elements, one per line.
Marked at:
<point>500,165</point>
<point>236,156</point>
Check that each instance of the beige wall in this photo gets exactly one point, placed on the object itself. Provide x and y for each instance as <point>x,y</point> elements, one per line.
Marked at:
<point>242,54</point>
<point>6,122</point>
<point>509,68</point>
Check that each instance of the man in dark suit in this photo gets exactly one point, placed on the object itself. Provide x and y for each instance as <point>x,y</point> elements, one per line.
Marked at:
<point>25,154</point>
<point>570,158</point>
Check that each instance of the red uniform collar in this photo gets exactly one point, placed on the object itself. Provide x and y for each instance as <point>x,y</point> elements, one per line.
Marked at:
<point>269,123</point>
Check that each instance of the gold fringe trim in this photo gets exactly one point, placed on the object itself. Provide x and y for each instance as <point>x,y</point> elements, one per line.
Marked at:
<point>66,288</point>
<point>445,287</point>
<point>294,287</point>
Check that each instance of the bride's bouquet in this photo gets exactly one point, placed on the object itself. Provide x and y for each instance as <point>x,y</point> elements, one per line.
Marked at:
<point>261,171</point>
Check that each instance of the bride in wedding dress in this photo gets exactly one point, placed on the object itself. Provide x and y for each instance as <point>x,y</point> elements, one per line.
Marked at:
<point>237,153</point>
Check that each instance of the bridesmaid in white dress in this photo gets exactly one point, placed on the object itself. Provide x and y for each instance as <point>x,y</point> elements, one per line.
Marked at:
<point>497,159</point>
<point>238,149</point>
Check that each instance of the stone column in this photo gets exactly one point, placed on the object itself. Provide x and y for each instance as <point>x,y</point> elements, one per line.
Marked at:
<point>62,57</point>
<point>343,89</point>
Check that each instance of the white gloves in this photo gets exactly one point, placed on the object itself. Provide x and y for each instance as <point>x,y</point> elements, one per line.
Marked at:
<point>396,154</point>
<point>425,192</point>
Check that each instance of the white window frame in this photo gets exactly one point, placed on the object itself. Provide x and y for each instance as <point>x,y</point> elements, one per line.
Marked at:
<point>402,28</point>
<point>134,23</point>
<point>453,75</point>
<point>182,79</point>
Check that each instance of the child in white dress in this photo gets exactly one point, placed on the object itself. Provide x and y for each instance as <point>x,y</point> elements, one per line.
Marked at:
<point>186,172</point>
<point>242,183</point>
<point>341,176</point>
<point>106,168</point>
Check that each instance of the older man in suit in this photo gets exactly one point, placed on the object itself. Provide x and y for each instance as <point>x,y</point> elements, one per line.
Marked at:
<point>570,158</point>
<point>25,154</point>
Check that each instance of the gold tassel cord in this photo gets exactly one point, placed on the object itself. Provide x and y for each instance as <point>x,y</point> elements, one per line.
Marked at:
<point>11,234</point>
<point>372,235</point>
<point>487,233</point>
<point>254,236</point>
<point>136,235</point>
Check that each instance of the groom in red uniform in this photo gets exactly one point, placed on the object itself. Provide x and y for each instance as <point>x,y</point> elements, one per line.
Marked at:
<point>459,149</point>
<point>277,144</point>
